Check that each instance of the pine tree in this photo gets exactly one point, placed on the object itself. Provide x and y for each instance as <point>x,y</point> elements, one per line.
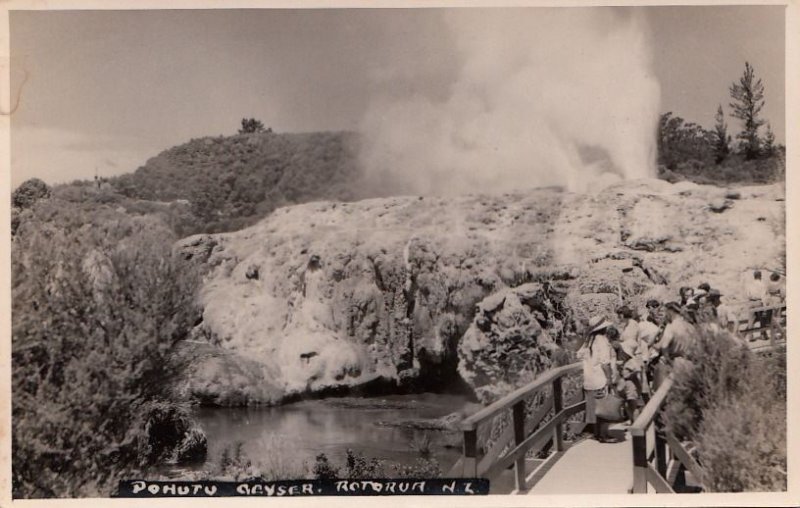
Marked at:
<point>748,100</point>
<point>721,138</point>
<point>769,142</point>
<point>251,125</point>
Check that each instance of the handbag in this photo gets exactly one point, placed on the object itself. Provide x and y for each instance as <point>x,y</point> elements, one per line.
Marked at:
<point>610,408</point>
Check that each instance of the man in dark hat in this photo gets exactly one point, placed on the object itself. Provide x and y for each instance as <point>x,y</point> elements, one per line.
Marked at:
<point>649,332</point>
<point>724,314</point>
<point>675,343</point>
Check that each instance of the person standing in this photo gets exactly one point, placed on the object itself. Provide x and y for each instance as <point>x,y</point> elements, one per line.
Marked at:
<point>649,332</point>
<point>774,296</point>
<point>596,356</point>
<point>629,384</point>
<point>755,291</point>
<point>726,318</point>
<point>675,343</point>
<point>687,295</point>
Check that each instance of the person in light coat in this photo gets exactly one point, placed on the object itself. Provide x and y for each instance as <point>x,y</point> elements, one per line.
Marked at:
<point>597,357</point>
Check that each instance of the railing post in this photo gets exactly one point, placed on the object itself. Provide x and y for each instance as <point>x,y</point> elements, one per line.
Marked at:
<point>518,412</point>
<point>558,405</point>
<point>661,453</point>
<point>774,316</point>
<point>640,463</point>
<point>470,454</point>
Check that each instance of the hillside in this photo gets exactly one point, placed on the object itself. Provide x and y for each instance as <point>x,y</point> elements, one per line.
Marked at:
<point>232,181</point>
<point>475,289</point>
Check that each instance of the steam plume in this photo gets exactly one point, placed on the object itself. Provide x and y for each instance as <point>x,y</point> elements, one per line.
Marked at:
<point>541,97</point>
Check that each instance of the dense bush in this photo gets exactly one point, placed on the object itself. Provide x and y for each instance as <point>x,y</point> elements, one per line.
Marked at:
<point>29,192</point>
<point>731,404</point>
<point>99,304</point>
<point>686,151</point>
<point>231,182</point>
<point>681,141</point>
<point>734,169</point>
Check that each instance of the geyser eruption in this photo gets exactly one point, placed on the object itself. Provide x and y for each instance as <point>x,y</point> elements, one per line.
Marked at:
<point>556,96</point>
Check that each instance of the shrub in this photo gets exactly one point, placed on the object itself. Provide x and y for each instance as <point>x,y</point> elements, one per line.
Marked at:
<point>731,404</point>
<point>742,445</point>
<point>170,435</point>
<point>99,305</point>
<point>323,469</point>
<point>357,466</point>
<point>29,192</point>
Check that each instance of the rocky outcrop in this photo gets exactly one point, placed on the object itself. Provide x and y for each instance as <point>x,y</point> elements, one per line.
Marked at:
<point>435,291</point>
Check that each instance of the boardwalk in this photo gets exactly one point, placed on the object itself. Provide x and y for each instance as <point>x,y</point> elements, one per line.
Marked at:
<point>588,467</point>
<point>647,457</point>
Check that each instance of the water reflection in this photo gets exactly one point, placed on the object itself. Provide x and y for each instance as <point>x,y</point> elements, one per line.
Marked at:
<point>293,434</point>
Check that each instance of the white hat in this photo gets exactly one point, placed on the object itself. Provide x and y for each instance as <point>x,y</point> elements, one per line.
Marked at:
<point>598,323</point>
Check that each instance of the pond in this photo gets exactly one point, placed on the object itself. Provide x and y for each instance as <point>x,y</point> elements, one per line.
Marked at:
<point>289,437</point>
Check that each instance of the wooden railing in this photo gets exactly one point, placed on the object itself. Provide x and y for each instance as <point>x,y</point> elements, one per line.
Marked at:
<point>658,455</point>
<point>749,325</point>
<point>526,433</point>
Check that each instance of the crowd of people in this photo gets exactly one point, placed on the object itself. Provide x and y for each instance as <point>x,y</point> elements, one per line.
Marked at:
<point>632,355</point>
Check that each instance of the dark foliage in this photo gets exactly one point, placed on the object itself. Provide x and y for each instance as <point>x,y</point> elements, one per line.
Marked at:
<point>99,304</point>
<point>251,125</point>
<point>29,192</point>
<point>323,469</point>
<point>722,141</point>
<point>731,404</point>
<point>748,101</point>
<point>680,141</point>
<point>224,184</point>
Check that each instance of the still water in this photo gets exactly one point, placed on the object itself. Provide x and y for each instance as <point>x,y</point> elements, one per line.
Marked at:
<point>290,437</point>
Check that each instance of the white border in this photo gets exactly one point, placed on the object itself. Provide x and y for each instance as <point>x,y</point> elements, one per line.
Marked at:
<point>792,69</point>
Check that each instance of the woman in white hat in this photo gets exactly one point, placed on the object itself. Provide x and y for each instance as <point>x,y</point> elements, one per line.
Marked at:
<point>596,355</point>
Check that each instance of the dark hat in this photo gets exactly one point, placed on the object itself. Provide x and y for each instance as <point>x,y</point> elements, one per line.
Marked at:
<point>673,306</point>
<point>714,293</point>
<point>625,312</point>
<point>652,304</point>
<point>705,287</point>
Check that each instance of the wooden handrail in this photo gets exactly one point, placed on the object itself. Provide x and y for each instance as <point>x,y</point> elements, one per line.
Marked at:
<point>472,422</point>
<point>771,307</point>
<point>649,412</point>
<point>525,434</point>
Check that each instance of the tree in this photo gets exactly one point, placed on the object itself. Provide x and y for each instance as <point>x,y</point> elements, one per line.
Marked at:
<point>748,100</point>
<point>769,142</point>
<point>721,138</point>
<point>681,142</point>
<point>251,125</point>
<point>29,192</point>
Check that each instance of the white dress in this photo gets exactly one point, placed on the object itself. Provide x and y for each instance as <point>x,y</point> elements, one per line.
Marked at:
<point>594,377</point>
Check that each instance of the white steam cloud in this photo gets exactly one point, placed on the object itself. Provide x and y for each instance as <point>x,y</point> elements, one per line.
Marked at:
<point>541,97</point>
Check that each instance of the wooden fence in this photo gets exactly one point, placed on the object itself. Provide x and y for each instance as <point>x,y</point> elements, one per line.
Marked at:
<point>528,432</point>
<point>770,320</point>
<point>658,455</point>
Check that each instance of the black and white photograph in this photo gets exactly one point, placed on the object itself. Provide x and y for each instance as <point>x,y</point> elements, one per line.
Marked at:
<point>458,252</point>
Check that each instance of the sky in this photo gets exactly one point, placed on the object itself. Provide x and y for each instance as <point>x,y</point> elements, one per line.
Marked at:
<point>106,90</point>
